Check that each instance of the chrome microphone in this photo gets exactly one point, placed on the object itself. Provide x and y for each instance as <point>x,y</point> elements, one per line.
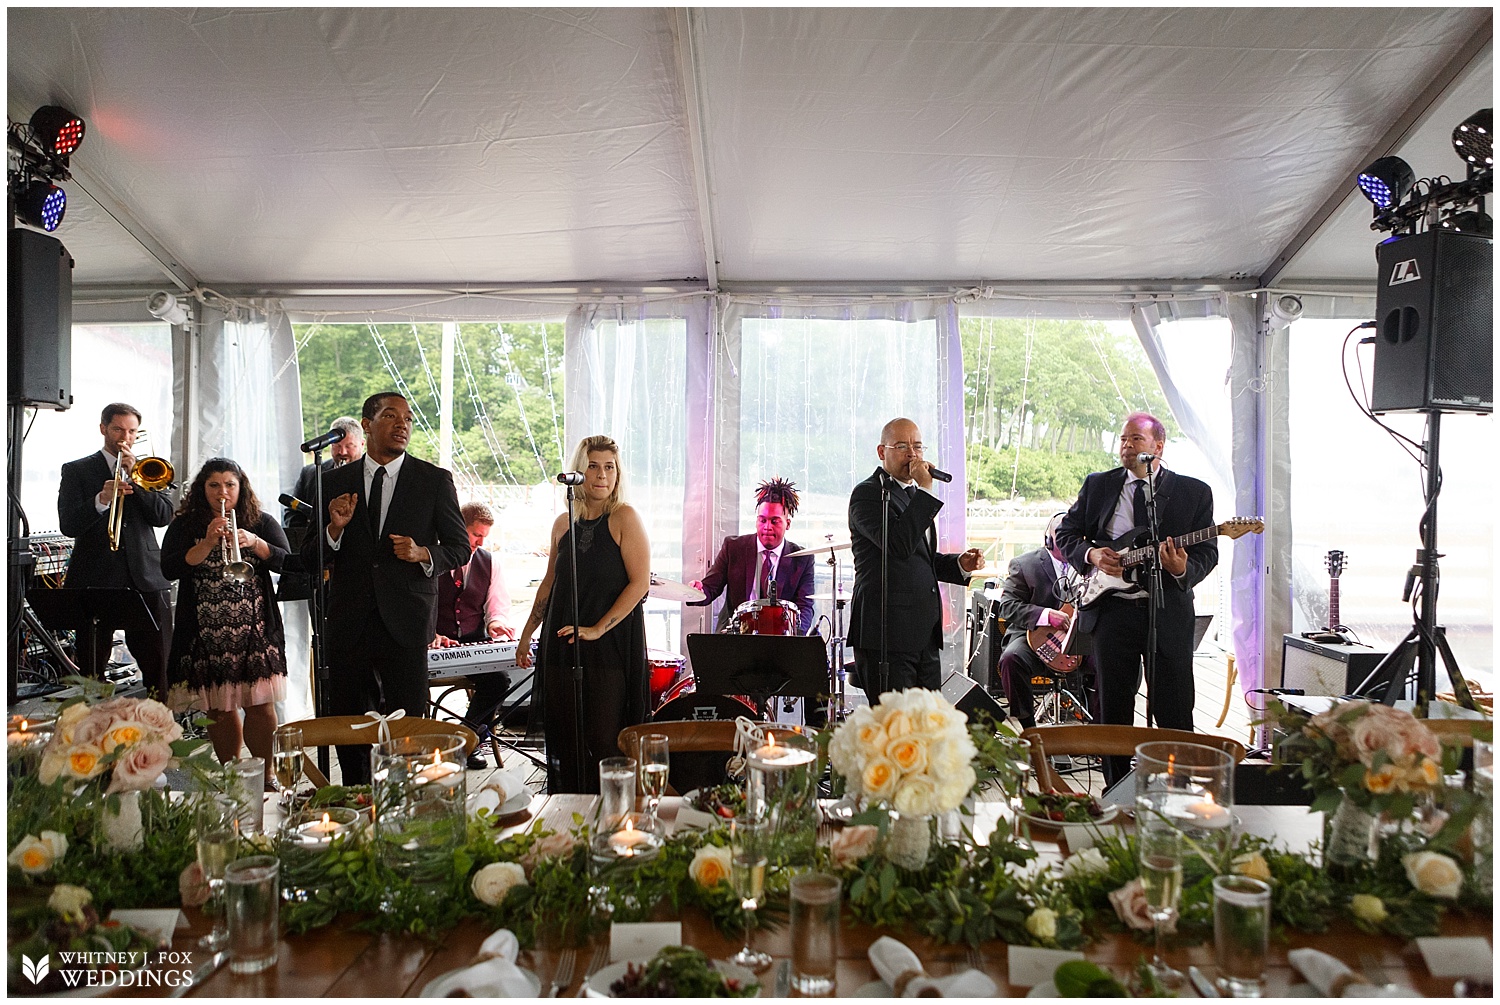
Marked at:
<point>570,478</point>
<point>1144,458</point>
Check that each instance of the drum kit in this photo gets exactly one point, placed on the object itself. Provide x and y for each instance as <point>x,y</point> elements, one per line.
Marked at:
<point>672,684</point>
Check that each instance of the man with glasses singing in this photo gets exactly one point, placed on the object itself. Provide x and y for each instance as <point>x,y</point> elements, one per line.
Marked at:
<point>913,615</point>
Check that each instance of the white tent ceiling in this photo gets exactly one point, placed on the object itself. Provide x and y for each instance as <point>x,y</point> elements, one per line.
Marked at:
<point>287,149</point>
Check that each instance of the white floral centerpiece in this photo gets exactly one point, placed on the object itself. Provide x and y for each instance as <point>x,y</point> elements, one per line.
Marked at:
<point>911,753</point>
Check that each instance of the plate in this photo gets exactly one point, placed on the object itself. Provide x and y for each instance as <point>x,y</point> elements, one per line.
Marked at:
<point>598,985</point>
<point>488,798</point>
<point>1044,990</point>
<point>874,989</point>
<point>440,986</point>
<point>1110,812</point>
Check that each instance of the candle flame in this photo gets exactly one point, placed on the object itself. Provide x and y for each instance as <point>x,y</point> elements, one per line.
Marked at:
<point>628,825</point>
<point>1171,763</point>
<point>23,725</point>
<point>325,819</point>
<point>437,755</point>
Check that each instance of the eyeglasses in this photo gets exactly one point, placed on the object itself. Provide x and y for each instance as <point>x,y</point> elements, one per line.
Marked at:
<point>904,447</point>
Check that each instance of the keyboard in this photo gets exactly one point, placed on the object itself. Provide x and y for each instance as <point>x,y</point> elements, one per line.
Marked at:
<point>470,659</point>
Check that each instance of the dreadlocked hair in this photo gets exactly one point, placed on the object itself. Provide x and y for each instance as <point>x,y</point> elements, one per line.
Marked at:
<point>778,490</point>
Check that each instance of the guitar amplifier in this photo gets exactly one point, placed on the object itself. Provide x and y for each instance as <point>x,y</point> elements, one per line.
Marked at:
<point>986,638</point>
<point>1323,668</point>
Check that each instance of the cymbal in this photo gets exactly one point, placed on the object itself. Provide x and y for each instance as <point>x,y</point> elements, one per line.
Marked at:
<point>822,549</point>
<point>666,589</point>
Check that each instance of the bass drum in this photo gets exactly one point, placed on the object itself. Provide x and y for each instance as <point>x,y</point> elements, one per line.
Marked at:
<point>699,769</point>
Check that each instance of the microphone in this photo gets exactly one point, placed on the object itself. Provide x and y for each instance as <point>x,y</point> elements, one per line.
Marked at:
<point>294,504</point>
<point>941,476</point>
<point>1145,458</point>
<point>570,478</point>
<point>328,439</point>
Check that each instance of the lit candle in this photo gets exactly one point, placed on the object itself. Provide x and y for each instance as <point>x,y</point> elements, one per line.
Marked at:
<point>19,734</point>
<point>1207,814</point>
<point>627,843</point>
<point>774,755</point>
<point>321,832</point>
<point>438,770</point>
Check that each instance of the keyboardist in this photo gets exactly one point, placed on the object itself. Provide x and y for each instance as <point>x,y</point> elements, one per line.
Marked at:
<point>474,606</point>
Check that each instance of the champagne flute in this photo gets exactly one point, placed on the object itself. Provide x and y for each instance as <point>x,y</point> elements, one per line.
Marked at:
<point>217,830</point>
<point>749,842</point>
<point>1017,769</point>
<point>1160,848</point>
<point>286,760</point>
<point>655,762</point>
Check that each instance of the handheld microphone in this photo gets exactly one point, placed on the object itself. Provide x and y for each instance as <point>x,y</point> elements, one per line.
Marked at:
<point>1145,458</point>
<point>941,476</point>
<point>570,478</point>
<point>328,439</point>
<point>294,504</point>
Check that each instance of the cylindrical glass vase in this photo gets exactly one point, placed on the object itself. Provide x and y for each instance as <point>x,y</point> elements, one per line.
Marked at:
<point>1187,786</point>
<point>420,817</point>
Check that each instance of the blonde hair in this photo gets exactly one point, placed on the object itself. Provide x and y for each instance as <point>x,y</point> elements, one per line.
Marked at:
<point>599,445</point>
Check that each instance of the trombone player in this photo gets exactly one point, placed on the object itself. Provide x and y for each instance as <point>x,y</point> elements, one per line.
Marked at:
<point>98,496</point>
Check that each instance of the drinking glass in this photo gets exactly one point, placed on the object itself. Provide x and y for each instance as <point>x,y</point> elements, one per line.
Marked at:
<point>250,777</point>
<point>1483,828</point>
<point>1160,849</point>
<point>254,887</point>
<point>286,761</point>
<point>1016,780</point>
<point>1187,786</point>
<point>815,933</point>
<point>216,830</point>
<point>749,849</point>
<point>655,765</point>
<point>1242,926</point>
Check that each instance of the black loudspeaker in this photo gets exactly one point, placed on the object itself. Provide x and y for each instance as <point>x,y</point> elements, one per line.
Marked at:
<point>1257,783</point>
<point>969,698</point>
<point>1324,669</point>
<point>41,321</point>
<point>1434,344</point>
<point>986,638</point>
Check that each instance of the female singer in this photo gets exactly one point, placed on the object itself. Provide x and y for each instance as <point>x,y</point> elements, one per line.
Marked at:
<point>614,572</point>
<point>227,642</point>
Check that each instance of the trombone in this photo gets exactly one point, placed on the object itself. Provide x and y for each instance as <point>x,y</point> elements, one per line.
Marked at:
<point>235,566</point>
<point>150,473</point>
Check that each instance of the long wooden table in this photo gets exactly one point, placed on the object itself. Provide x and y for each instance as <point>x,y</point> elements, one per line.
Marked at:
<point>337,961</point>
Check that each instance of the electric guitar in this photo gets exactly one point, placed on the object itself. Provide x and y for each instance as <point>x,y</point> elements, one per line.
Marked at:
<point>1133,556</point>
<point>1335,564</point>
<point>1050,644</point>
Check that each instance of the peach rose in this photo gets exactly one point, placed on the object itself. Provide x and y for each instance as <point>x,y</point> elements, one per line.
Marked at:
<point>558,845</point>
<point>1129,902</point>
<point>123,733</point>
<point>879,778</point>
<point>710,866</point>
<point>93,729</point>
<point>1382,781</point>
<point>84,761</point>
<point>192,886</point>
<point>898,724</point>
<point>140,767</point>
<point>851,844</point>
<point>909,753</point>
<point>1253,865</point>
<point>68,721</point>
<point>871,735</point>
<point>36,855</point>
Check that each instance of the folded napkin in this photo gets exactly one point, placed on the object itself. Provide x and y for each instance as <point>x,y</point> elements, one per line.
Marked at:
<point>1334,980</point>
<point>494,974</point>
<point>500,788</point>
<point>899,967</point>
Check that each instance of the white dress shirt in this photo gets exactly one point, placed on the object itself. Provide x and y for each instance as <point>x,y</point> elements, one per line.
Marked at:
<point>387,491</point>
<point>761,552</point>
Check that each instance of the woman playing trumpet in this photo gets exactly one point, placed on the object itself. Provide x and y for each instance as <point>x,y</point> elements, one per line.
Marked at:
<point>228,645</point>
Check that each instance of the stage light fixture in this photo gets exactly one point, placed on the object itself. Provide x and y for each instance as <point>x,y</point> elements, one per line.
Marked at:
<point>1285,309</point>
<point>1472,139</point>
<point>1471,221</point>
<point>165,306</point>
<point>1387,181</point>
<point>41,204</point>
<point>58,130</point>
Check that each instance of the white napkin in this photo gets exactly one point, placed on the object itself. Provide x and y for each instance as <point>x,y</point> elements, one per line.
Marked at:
<point>895,964</point>
<point>507,784</point>
<point>494,973</point>
<point>1334,980</point>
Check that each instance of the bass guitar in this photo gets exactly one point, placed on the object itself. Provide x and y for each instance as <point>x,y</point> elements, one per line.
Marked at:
<point>1134,555</point>
<point>1050,644</point>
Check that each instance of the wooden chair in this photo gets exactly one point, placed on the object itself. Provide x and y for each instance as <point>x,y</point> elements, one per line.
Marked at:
<point>697,737</point>
<point>1461,732</point>
<point>339,731</point>
<point>1105,740</point>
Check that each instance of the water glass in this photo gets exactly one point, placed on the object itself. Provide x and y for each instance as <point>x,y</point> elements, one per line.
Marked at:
<point>815,933</point>
<point>655,765</point>
<point>250,790</point>
<point>254,887</point>
<point>1242,925</point>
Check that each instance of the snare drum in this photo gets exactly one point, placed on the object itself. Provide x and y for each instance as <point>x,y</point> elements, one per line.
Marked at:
<point>665,667</point>
<point>766,617</point>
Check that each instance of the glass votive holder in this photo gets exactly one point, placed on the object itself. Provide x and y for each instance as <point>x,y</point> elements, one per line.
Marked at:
<point>26,737</point>
<point>303,839</point>
<point>783,775</point>
<point>250,793</point>
<point>1242,926</point>
<point>815,933</point>
<point>253,897</point>
<point>420,814</point>
<point>1189,786</point>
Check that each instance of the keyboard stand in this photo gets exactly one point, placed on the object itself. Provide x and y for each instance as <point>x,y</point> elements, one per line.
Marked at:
<point>503,711</point>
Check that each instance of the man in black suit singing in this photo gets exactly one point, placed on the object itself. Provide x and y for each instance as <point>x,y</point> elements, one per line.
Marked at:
<point>1110,505</point>
<point>749,564</point>
<point>393,527</point>
<point>913,613</point>
<point>83,499</point>
<point>1033,596</point>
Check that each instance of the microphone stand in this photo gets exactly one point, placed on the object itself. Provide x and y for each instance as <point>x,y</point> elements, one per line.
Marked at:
<point>580,750</point>
<point>1154,589</point>
<point>883,674</point>
<point>317,598</point>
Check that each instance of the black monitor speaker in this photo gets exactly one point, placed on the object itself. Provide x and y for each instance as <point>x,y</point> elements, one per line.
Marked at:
<point>41,321</point>
<point>1434,341</point>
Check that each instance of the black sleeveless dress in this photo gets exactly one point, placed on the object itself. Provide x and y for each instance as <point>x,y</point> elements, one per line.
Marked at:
<point>615,681</point>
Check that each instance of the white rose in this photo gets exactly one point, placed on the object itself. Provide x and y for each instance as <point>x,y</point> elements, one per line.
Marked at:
<point>1367,908</point>
<point>35,855</point>
<point>1089,862</point>
<point>1042,924</point>
<point>494,881</point>
<point>1434,874</point>
<point>710,866</point>
<point>916,795</point>
<point>69,901</point>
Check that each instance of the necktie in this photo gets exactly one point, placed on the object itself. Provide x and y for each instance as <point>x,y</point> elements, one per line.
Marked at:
<point>911,491</point>
<point>764,588</point>
<point>377,494</point>
<point>1139,516</point>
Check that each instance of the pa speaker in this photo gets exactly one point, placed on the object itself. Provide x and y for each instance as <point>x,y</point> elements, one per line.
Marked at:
<point>986,639</point>
<point>971,699</point>
<point>1434,344</point>
<point>41,321</point>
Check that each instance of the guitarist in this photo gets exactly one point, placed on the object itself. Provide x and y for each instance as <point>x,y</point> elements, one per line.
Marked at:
<point>1032,597</point>
<point>1109,506</point>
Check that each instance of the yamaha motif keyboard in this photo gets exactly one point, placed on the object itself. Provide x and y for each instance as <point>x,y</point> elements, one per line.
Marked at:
<point>471,658</point>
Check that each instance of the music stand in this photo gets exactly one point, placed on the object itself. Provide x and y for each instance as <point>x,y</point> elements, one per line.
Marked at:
<point>761,666</point>
<point>80,609</point>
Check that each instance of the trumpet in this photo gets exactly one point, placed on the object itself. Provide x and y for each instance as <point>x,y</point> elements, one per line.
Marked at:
<point>235,566</point>
<point>150,473</point>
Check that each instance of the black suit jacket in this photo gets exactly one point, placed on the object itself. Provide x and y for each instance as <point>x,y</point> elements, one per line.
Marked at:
<point>306,490</point>
<point>1030,587</point>
<point>914,608</point>
<point>1183,505</point>
<point>137,564</point>
<point>735,570</point>
<point>367,574</point>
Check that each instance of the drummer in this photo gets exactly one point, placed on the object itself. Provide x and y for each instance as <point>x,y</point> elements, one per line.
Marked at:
<point>749,564</point>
